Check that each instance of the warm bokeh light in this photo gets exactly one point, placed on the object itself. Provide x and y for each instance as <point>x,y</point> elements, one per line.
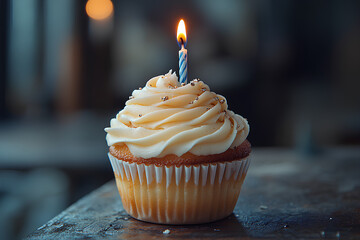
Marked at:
<point>181,32</point>
<point>99,9</point>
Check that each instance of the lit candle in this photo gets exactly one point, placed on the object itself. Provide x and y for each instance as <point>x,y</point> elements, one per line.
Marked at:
<point>181,39</point>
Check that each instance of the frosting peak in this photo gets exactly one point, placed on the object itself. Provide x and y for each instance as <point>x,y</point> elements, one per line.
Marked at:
<point>166,117</point>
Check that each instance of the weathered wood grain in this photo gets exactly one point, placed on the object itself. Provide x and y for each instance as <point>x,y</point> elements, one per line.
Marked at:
<point>284,196</point>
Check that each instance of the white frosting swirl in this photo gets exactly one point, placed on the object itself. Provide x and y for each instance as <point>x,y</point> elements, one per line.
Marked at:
<point>167,118</point>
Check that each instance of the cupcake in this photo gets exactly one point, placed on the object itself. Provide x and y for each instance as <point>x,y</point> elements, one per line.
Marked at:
<point>179,155</point>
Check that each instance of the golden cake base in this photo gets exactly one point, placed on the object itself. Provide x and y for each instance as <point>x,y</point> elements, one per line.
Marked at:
<point>181,195</point>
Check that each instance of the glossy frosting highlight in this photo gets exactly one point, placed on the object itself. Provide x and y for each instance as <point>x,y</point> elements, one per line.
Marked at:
<point>165,118</point>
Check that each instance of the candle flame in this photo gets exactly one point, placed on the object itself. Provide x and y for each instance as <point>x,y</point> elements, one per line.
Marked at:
<point>99,9</point>
<point>181,33</point>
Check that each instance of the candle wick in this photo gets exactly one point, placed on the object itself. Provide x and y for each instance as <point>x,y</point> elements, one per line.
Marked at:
<point>182,41</point>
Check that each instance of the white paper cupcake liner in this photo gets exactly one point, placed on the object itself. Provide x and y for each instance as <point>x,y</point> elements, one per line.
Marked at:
<point>233,169</point>
<point>179,194</point>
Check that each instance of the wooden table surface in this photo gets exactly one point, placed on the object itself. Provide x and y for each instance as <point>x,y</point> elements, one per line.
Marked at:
<point>285,195</point>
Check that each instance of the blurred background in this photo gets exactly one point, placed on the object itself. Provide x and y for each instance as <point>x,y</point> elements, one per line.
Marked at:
<point>292,68</point>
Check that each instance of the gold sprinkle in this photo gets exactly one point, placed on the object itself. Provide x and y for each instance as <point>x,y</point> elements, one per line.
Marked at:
<point>140,115</point>
<point>140,88</point>
<point>222,101</point>
<point>165,98</point>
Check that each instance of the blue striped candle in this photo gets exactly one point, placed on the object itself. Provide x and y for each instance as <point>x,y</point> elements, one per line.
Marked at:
<point>183,72</point>
<point>181,38</point>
